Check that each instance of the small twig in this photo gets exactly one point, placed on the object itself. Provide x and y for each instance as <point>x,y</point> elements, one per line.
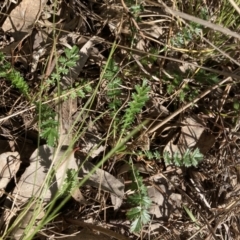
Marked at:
<point>50,61</point>
<point>34,106</point>
<point>228,209</point>
<point>105,231</point>
<point>191,201</point>
<point>222,102</point>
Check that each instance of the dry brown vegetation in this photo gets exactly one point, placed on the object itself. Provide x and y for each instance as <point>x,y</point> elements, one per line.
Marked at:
<point>102,102</point>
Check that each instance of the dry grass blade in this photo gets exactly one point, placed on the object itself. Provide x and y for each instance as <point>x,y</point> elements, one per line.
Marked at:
<point>235,6</point>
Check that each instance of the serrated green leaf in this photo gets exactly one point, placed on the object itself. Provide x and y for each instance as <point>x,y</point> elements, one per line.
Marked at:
<point>73,95</point>
<point>134,198</point>
<point>70,182</point>
<point>88,88</point>
<point>50,134</point>
<point>145,217</point>
<point>70,63</point>
<point>146,201</point>
<point>63,70</point>
<point>157,155</point>
<point>136,225</point>
<point>133,213</point>
<point>62,59</point>
<point>80,93</point>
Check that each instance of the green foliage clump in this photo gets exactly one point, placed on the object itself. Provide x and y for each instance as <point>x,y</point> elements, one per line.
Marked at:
<point>135,10</point>
<point>86,88</point>
<point>114,92</point>
<point>188,159</point>
<point>187,35</point>
<point>150,155</point>
<point>186,91</point>
<point>139,214</point>
<point>48,124</point>
<point>64,64</point>
<point>70,183</point>
<point>10,74</point>
<point>135,106</point>
<point>192,33</point>
<point>47,117</point>
<point>69,61</point>
<point>208,78</point>
<point>113,86</point>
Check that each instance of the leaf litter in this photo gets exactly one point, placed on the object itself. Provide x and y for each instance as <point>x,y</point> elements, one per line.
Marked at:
<point>183,199</point>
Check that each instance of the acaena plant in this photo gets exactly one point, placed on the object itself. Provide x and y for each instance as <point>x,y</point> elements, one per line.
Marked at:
<point>150,155</point>
<point>188,159</point>
<point>47,117</point>
<point>138,101</point>
<point>12,75</point>
<point>138,214</point>
<point>113,86</point>
<point>48,124</point>
<point>70,183</point>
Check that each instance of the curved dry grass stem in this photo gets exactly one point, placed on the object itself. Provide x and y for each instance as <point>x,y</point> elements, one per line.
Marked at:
<point>235,6</point>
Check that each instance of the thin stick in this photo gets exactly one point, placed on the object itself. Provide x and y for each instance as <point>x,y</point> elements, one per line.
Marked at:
<point>100,229</point>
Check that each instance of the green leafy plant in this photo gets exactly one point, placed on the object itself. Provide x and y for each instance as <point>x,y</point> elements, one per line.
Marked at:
<point>64,64</point>
<point>48,122</point>
<point>139,100</point>
<point>113,92</point>
<point>150,155</point>
<point>205,77</point>
<point>82,90</point>
<point>187,35</point>
<point>188,159</point>
<point>135,10</point>
<point>186,90</point>
<point>47,117</point>
<point>10,74</point>
<point>139,214</point>
<point>113,86</point>
<point>71,182</point>
<point>191,33</point>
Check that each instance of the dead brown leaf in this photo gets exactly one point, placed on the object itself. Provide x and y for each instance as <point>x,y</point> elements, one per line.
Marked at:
<point>192,135</point>
<point>22,18</point>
